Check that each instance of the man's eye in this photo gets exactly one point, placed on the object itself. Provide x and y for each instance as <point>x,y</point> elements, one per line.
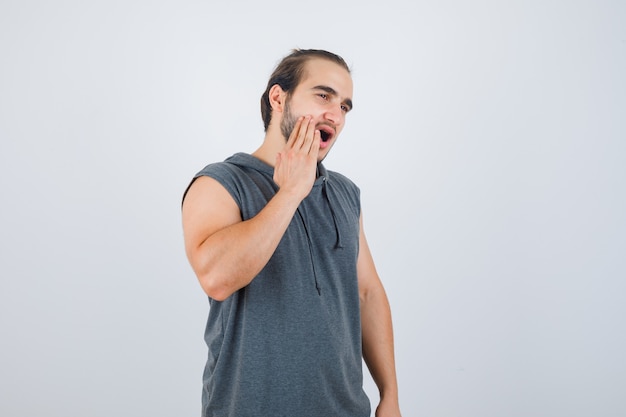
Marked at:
<point>345,109</point>
<point>324,96</point>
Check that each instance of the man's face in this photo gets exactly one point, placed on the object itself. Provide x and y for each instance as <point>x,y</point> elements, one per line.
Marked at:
<point>325,93</point>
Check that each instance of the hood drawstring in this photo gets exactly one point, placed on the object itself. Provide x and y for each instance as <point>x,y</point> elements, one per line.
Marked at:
<point>338,243</point>
<point>308,236</point>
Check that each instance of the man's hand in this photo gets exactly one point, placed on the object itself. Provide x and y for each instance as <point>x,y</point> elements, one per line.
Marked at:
<point>296,164</point>
<point>388,409</point>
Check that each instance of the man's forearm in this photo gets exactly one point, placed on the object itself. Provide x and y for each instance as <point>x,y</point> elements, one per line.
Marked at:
<point>378,346</point>
<point>232,257</point>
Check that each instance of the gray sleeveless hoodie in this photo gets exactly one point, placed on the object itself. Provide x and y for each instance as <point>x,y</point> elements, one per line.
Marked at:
<point>289,343</point>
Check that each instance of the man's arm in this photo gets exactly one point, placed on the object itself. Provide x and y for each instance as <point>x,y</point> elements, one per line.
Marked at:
<point>376,326</point>
<point>225,252</point>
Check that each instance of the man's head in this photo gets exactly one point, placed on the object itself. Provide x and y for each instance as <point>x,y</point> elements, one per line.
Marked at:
<point>311,83</point>
<point>289,73</point>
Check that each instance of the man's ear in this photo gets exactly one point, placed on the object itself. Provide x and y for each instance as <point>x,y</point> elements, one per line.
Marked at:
<point>277,98</point>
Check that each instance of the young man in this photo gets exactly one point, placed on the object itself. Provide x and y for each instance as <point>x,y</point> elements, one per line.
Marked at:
<point>277,244</point>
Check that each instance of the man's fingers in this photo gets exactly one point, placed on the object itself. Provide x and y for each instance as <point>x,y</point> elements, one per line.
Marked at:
<point>293,137</point>
<point>304,134</point>
<point>298,134</point>
<point>313,139</point>
<point>314,145</point>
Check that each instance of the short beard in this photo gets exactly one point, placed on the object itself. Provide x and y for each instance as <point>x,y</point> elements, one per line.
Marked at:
<point>288,122</point>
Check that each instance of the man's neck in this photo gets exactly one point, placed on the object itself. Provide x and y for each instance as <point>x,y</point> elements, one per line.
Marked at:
<point>272,144</point>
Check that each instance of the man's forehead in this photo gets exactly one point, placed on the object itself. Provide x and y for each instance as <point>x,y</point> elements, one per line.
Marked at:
<point>319,71</point>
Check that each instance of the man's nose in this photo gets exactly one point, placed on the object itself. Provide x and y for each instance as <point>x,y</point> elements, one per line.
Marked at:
<point>334,114</point>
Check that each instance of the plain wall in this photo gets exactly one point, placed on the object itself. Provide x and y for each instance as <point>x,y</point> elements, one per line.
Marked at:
<point>488,139</point>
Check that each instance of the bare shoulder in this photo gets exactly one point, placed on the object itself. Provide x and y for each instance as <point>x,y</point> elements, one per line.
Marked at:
<point>207,208</point>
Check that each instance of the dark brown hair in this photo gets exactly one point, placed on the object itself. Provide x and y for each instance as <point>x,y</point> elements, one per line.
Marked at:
<point>289,72</point>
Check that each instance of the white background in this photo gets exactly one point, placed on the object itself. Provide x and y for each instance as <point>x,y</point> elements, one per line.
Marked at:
<point>488,139</point>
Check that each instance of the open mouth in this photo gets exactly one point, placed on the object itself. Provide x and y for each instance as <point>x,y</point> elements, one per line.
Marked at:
<point>326,133</point>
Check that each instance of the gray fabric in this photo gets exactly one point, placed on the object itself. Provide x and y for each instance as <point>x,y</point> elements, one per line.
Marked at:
<point>289,343</point>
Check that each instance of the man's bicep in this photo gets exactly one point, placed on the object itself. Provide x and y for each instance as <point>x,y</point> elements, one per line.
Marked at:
<point>208,207</point>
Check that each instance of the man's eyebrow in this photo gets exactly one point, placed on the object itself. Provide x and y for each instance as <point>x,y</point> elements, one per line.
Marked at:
<point>333,92</point>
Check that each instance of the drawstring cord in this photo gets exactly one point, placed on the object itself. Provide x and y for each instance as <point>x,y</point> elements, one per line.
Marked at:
<point>338,243</point>
<point>308,236</point>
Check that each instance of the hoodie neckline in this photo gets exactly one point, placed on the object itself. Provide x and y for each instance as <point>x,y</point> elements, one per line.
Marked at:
<point>251,161</point>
